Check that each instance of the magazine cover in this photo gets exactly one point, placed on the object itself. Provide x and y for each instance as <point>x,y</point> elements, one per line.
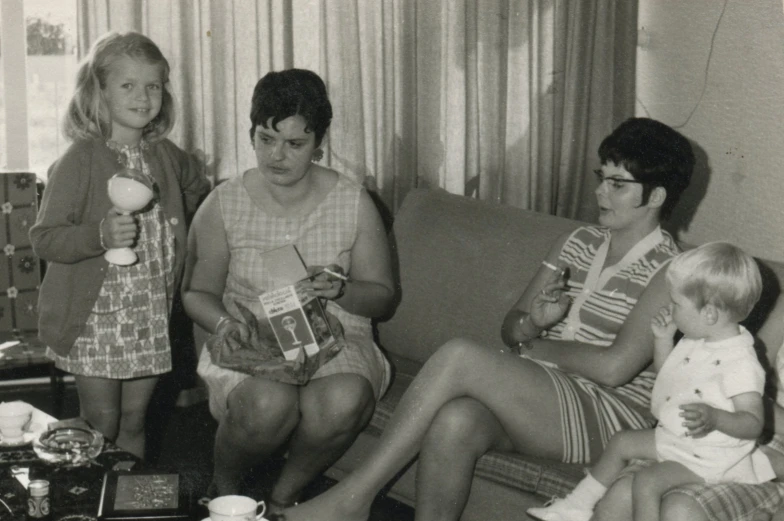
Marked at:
<point>297,320</point>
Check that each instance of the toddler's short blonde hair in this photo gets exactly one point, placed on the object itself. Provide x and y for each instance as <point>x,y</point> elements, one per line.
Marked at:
<point>717,273</point>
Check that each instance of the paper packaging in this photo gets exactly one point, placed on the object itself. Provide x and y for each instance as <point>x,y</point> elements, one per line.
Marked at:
<point>297,319</point>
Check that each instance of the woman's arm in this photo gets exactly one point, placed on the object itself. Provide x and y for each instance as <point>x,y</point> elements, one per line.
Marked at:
<point>370,291</point>
<point>518,325</point>
<point>772,336</point>
<point>613,365</point>
<point>206,267</point>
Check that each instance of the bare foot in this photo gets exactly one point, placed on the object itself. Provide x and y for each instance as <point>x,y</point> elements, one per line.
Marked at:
<point>336,504</point>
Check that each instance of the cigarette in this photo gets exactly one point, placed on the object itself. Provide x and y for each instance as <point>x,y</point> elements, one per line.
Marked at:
<point>336,274</point>
<point>551,266</point>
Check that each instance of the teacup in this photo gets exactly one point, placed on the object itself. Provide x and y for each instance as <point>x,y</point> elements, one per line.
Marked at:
<point>13,418</point>
<point>235,508</point>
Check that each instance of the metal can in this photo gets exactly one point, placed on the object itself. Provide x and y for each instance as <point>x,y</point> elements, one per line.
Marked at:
<point>39,506</point>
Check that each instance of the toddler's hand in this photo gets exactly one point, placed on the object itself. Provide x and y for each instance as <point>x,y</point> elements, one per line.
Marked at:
<point>662,324</point>
<point>700,419</point>
<point>118,230</point>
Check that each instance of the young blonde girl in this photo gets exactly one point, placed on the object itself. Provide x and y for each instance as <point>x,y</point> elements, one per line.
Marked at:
<point>108,325</point>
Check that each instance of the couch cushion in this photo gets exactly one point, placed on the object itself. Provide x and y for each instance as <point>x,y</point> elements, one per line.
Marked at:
<point>453,250</point>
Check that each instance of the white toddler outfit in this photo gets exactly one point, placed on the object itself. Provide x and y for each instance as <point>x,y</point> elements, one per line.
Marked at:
<point>711,373</point>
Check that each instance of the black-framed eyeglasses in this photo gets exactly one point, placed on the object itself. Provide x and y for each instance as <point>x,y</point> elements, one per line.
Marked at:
<point>614,183</point>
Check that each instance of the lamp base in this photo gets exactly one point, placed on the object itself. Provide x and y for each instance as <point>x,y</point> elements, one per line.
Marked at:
<point>120,256</point>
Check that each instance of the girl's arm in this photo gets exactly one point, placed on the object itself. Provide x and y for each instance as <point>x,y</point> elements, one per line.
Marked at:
<point>613,365</point>
<point>370,291</point>
<point>60,233</point>
<point>745,423</point>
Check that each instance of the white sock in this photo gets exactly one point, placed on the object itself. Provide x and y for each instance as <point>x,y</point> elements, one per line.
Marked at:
<point>587,493</point>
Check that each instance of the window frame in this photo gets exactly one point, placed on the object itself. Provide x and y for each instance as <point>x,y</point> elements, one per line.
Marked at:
<point>13,40</point>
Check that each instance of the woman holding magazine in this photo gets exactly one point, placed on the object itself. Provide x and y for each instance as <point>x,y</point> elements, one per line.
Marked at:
<point>332,221</point>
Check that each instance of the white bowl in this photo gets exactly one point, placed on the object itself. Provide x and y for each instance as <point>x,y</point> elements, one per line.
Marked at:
<point>13,418</point>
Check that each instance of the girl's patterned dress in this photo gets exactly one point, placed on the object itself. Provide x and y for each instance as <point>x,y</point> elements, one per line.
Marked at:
<point>127,332</point>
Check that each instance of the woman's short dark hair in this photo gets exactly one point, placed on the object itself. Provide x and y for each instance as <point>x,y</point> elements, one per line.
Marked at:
<point>291,92</point>
<point>654,154</point>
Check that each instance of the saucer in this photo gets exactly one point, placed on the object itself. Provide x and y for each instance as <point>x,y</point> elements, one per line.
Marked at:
<point>27,438</point>
<point>208,519</point>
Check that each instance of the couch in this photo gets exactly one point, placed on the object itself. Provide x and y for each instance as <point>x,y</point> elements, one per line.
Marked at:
<point>460,265</point>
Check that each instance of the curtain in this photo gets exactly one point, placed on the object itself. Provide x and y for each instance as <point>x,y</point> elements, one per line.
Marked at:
<point>503,100</point>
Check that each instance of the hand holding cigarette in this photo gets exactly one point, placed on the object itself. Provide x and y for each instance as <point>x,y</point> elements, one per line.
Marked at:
<point>328,281</point>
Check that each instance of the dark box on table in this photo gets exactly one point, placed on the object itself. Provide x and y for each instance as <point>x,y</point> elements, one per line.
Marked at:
<point>142,496</point>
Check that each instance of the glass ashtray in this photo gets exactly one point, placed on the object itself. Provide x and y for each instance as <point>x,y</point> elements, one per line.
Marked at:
<point>68,446</point>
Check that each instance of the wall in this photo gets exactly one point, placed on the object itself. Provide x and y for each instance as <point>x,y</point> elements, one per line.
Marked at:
<point>714,70</point>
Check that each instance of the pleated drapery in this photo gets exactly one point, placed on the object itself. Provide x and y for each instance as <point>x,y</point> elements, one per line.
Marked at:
<point>504,100</point>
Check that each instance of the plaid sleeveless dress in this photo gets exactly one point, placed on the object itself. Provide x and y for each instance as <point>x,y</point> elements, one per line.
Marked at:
<point>127,333</point>
<point>325,236</point>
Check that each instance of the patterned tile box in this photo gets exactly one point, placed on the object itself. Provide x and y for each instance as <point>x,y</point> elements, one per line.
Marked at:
<point>20,269</point>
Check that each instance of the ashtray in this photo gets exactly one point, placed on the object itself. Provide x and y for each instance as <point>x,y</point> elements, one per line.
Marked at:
<point>68,446</point>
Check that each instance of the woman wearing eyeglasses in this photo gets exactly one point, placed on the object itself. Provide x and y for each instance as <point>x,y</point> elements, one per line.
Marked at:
<point>582,332</point>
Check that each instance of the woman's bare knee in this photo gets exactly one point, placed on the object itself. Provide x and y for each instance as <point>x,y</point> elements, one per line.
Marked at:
<point>463,426</point>
<point>337,406</point>
<point>262,414</point>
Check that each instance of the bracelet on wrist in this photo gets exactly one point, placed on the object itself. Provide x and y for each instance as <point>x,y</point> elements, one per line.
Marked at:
<point>527,341</point>
<point>526,325</point>
<point>223,320</point>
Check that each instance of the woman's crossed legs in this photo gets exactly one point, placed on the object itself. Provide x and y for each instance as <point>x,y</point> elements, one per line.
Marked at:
<point>465,400</point>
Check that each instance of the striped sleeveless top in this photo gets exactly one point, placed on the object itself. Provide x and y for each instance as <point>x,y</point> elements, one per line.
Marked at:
<point>603,298</point>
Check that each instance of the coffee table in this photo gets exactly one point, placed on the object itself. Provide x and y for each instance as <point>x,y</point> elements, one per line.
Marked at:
<point>30,354</point>
<point>74,491</point>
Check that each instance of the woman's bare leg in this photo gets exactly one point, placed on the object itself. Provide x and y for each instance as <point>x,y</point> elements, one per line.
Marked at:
<point>462,431</point>
<point>651,483</point>
<point>261,416</point>
<point>136,396</point>
<point>513,389</point>
<point>334,409</point>
<point>616,505</point>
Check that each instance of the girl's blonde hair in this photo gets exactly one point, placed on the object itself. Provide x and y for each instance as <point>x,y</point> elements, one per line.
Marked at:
<point>88,117</point>
<point>717,273</point>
